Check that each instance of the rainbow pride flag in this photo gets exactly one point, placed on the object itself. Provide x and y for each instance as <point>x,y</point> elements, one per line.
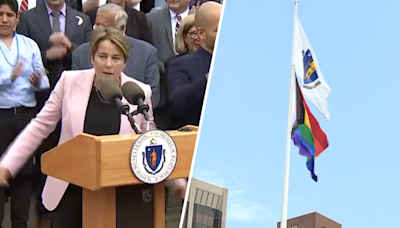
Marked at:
<point>307,135</point>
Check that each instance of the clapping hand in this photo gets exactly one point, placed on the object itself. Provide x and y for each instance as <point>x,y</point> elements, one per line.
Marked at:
<point>59,39</point>
<point>60,46</point>
<point>34,79</point>
<point>17,71</point>
<point>56,52</point>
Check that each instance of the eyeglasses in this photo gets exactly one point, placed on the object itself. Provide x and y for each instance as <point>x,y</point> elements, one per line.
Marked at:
<point>193,35</point>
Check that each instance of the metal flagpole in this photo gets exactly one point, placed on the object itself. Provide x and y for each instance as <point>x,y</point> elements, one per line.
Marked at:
<point>288,137</point>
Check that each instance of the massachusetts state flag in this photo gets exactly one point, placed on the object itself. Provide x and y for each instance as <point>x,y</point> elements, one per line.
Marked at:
<point>313,84</point>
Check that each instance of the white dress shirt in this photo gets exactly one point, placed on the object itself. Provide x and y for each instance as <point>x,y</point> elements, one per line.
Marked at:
<point>174,21</point>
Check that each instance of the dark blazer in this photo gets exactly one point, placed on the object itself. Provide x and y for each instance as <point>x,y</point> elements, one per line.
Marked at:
<point>162,114</point>
<point>186,86</point>
<point>136,27</point>
<point>35,24</point>
<point>142,64</point>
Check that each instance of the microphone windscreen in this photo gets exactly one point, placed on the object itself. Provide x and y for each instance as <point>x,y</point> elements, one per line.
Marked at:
<point>132,92</point>
<point>110,90</point>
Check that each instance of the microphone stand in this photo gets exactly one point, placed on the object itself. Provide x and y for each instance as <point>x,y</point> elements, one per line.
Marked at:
<point>124,109</point>
<point>134,126</point>
<point>143,109</point>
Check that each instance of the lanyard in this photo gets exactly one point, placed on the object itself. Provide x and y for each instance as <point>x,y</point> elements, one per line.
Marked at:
<point>16,62</point>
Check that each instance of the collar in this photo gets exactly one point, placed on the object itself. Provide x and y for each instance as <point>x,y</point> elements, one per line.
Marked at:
<point>63,10</point>
<point>183,14</point>
<point>15,37</point>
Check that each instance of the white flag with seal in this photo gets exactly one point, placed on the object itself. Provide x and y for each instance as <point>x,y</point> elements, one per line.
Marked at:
<point>314,86</point>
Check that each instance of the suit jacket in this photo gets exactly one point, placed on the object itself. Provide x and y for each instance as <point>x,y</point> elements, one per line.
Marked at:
<point>142,64</point>
<point>162,114</point>
<point>136,26</point>
<point>35,24</point>
<point>186,86</point>
<point>67,102</point>
<point>160,26</point>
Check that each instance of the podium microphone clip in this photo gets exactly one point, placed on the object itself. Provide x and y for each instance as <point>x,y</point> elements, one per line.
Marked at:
<point>134,126</point>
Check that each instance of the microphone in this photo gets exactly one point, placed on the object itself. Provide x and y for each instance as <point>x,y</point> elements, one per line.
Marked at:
<point>135,95</point>
<point>111,93</point>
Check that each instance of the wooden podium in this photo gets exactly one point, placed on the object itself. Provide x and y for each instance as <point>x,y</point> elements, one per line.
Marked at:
<point>100,164</point>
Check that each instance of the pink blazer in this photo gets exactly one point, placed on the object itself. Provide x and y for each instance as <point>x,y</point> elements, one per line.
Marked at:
<point>67,102</point>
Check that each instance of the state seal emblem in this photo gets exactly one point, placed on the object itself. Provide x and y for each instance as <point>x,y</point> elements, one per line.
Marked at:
<point>153,156</point>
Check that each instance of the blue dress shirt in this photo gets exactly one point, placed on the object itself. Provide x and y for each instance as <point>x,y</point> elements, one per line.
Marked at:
<point>20,92</point>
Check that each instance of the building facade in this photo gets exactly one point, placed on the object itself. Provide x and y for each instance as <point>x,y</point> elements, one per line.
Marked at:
<point>206,206</point>
<point>312,220</point>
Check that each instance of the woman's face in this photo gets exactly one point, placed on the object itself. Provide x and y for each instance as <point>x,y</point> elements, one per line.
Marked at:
<point>108,61</point>
<point>192,40</point>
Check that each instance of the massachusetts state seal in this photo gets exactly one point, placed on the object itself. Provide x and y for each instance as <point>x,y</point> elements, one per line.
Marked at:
<point>153,157</point>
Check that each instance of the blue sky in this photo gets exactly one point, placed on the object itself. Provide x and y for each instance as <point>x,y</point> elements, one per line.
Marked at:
<point>243,136</point>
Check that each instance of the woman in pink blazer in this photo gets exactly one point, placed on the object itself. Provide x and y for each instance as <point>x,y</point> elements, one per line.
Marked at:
<point>77,102</point>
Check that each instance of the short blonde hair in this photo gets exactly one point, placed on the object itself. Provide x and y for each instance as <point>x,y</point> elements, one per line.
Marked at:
<point>186,25</point>
<point>111,34</point>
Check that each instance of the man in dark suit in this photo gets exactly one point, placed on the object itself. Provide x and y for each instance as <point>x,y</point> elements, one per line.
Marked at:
<point>187,75</point>
<point>137,26</point>
<point>56,35</point>
<point>58,30</point>
<point>164,24</point>
<point>142,63</point>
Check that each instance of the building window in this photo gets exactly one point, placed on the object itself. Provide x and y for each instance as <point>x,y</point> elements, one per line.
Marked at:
<point>294,226</point>
<point>206,217</point>
<point>186,216</point>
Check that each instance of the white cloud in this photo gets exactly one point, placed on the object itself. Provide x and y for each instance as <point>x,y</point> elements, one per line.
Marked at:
<point>239,209</point>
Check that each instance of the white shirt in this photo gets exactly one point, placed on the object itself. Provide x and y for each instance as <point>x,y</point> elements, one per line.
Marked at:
<point>174,21</point>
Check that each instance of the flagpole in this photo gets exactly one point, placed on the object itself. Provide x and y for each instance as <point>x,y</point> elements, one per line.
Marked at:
<point>288,137</point>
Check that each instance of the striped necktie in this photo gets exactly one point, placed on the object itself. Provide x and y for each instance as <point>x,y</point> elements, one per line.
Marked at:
<point>24,5</point>
<point>178,23</point>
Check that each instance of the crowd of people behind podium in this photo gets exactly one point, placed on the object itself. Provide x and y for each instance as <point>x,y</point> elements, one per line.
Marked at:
<point>54,58</point>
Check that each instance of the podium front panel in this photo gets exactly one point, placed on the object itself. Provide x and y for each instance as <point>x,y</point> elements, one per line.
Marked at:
<point>115,158</point>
